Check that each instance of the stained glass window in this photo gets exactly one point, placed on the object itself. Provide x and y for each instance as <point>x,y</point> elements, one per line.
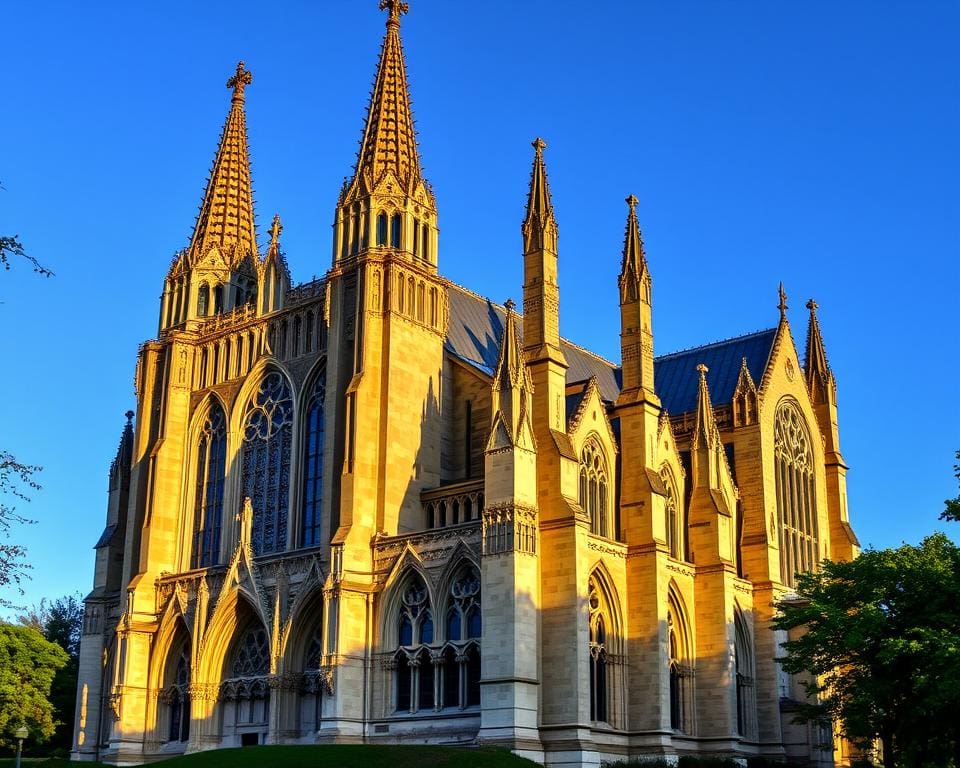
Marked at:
<point>796,502</point>
<point>593,488</point>
<point>253,654</point>
<point>313,467</point>
<point>266,462</point>
<point>208,504</point>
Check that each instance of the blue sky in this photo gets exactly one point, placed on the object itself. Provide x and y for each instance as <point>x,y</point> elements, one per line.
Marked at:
<point>814,143</point>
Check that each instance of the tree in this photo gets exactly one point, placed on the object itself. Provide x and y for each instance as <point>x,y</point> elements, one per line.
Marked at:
<point>952,506</point>
<point>16,479</point>
<point>60,621</point>
<point>877,641</point>
<point>28,664</point>
<point>11,246</point>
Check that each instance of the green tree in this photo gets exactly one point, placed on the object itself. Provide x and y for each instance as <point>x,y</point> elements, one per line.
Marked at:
<point>60,621</point>
<point>16,479</point>
<point>952,506</point>
<point>28,665</point>
<point>876,645</point>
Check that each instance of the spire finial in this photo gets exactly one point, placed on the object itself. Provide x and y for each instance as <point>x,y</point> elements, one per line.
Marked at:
<point>240,80</point>
<point>632,201</point>
<point>702,370</point>
<point>782,305</point>
<point>275,229</point>
<point>129,415</point>
<point>509,305</point>
<point>813,306</point>
<point>396,9</point>
<point>539,145</point>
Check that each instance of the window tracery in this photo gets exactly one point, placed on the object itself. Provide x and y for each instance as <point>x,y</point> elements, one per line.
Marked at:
<point>674,528</point>
<point>796,498</point>
<point>681,673</point>
<point>594,488</point>
<point>208,502</point>
<point>177,698</point>
<point>267,436</point>
<point>598,656</point>
<point>313,467</point>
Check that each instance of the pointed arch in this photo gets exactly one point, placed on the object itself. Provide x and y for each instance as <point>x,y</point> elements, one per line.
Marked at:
<point>410,625</point>
<point>679,663</point>
<point>408,565</point>
<point>595,485</point>
<point>233,611</point>
<point>312,475</point>
<point>605,648</point>
<point>209,454</point>
<point>744,664</point>
<point>673,514</point>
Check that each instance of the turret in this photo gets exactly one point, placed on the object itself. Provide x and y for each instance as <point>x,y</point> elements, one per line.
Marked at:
<point>387,205</point>
<point>636,311</point>
<point>218,270</point>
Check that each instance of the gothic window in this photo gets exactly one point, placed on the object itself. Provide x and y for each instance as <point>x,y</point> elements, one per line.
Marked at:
<point>673,521</point>
<point>395,230</point>
<point>416,237</point>
<point>593,488</point>
<point>461,658</point>
<point>411,296</point>
<point>297,333</point>
<point>681,698</point>
<point>796,503</point>
<point>308,346</point>
<point>246,691</point>
<point>218,300</point>
<point>203,300</point>
<point>313,468</point>
<point>382,229</point>
<point>266,461</point>
<point>744,674</point>
<point>426,241</point>
<point>252,658</point>
<point>598,657</point>
<point>208,503</point>
<point>177,698</point>
<point>414,664</point>
<point>401,283</point>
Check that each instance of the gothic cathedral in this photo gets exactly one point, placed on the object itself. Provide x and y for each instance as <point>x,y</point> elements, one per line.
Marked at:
<point>376,507</point>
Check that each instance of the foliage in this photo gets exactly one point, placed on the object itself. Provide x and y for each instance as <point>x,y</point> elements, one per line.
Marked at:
<point>951,509</point>
<point>28,665</point>
<point>60,621</point>
<point>16,479</point>
<point>11,246</point>
<point>877,641</point>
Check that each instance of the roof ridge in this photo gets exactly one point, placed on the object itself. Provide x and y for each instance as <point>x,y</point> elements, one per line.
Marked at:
<point>496,305</point>
<point>717,343</point>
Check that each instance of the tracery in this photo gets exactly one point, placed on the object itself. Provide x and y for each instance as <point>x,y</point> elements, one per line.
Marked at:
<point>208,502</point>
<point>594,487</point>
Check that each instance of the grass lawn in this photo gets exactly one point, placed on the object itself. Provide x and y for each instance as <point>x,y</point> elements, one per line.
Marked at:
<point>333,755</point>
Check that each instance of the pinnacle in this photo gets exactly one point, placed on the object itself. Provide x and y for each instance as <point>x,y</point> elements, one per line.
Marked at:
<point>226,218</point>
<point>634,260</point>
<point>705,427</point>
<point>817,369</point>
<point>539,202</point>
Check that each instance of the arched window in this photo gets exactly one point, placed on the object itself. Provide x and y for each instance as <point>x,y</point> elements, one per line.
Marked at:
<point>203,300</point>
<point>252,657</point>
<point>208,501</point>
<point>177,697</point>
<point>218,300</point>
<point>395,233</point>
<point>681,698</point>
<point>593,488</point>
<point>673,520</point>
<point>598,657</point>
<point>297,333</point>
<point>308,347</point>
<point>416,237</point>
<point>382,229</point>
<point>425,244</point>
<point>461,658</point>
<point>744,673</point>
<point>796,503</point>
<point>414,678</point>
<point>266,462</point>
<point>246,690</point>
<point>313,466</point>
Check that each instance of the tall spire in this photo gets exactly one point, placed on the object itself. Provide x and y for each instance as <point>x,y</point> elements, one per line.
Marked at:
<point>539,225</point>
<point>633,268</point>
<point>226,213</point>
<point>782,303</point>
<point>389,142</point>
<point>705,432</point>
<point>816,368</point>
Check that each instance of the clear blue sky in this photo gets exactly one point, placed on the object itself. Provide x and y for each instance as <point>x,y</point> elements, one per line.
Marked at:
<point>814,143</point>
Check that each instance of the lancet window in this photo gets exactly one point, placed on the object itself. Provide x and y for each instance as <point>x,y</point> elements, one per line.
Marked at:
<point>246,687</point>
<point>594,488</point>
<point>681,674</point>
<point>395,230</point>
<point>268,427</point>
<point>203,300</point>
<point>673,520</point>
<point>313,466</point>
<point>415,669</point>
<point>598,657</point>
<point>208,501</point>
<point>382,229</point>
<point>177,698</point>
<point>744,673</point>
<point>796,497</point>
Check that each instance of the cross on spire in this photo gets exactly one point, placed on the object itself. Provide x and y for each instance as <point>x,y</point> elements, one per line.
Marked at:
<point>812,305</point>
<point>275,229</point>
<point>782,305</point>
<point>396,9</point>
<point>240,80</point>
<point>632,201</point>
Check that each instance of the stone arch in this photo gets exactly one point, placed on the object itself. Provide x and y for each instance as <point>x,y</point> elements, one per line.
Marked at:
<point>605,649</point>
<point>310,509</point>
<point>596,484</point>
<point>408,566</point>
<point>744,669</point>
<point>463,557</point>
<point>679,663</point>
<point>234,610</point>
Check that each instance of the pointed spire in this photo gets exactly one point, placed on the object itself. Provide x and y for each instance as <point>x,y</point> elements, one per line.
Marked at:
<point>512,389</point>
<point>633,268</point>
<point>705,432</point>
<point>226,214</point>
<point>120,466</point>
<point>816,368</point>
<point>539,203</point>
<point>389,142</point>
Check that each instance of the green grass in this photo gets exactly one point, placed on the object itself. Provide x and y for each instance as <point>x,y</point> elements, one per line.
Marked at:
<point>333,755</point>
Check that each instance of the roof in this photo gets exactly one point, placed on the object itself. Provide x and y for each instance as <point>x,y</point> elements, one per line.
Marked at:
<point>477,323</point>
<point>677,382</point>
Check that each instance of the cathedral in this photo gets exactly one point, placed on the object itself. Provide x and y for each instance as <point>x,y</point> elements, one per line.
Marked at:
<point>379,508</point>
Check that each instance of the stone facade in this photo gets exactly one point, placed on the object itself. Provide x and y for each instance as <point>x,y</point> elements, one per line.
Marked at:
<point>378,508</point>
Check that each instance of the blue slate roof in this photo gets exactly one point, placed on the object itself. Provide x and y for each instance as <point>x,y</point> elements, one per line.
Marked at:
<point>677,382</point>
<point>476,325</point>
